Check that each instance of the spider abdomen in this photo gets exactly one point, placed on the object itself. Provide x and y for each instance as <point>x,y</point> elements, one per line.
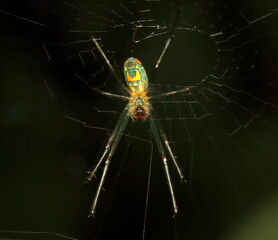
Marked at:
<point>135,75</point>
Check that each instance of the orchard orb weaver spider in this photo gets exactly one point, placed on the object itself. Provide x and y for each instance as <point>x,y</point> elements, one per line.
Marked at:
<point>138,107</point>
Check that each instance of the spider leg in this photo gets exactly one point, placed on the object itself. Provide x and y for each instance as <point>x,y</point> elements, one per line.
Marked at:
<point>168,41</point>
<point>186,89</point>
<point>166,142</point>
<point>93,172</point>
<point>109,152</point>
<point>172,34</point>
<point>112,69</point>
<point>110,94</point>
<point>123,117</point>
<point>94,204</point>
<point>168,147</point>
<point>164,159</point>
<point>103,54</point>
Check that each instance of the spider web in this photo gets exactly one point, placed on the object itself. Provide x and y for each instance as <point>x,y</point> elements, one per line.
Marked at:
<point>223,132</point>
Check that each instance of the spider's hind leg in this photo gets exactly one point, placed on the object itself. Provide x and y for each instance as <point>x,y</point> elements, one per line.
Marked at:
<point>166,142</point>
<point>156,134</point>
<point>108,153</point>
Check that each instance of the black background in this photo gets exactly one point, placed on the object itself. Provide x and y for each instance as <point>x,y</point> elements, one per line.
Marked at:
<point>45,156</point>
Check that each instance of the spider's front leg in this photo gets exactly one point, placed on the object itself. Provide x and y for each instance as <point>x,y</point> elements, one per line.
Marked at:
<point>108,153</point>
<point>184,90</point>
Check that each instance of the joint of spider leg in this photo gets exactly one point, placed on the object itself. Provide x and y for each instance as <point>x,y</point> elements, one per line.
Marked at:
<point>175,212</point>
<point>92,174</point>
<point>164,158</point>
<point>90,177</point>
<point>92,215</point>
<point>108,159</point>
<point>108,145</point>
<point>95,89</point>
<point>164,138</point>
<point>182,178</point>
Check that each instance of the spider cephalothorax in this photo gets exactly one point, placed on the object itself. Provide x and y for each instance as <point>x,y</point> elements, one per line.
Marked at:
<point>138,105</point>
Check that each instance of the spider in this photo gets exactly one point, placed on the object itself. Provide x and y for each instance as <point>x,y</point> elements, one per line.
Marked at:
<point>138,108</point>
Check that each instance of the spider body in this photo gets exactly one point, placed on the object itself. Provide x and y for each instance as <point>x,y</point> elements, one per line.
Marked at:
<point>138,107</point>
<point>137,81</point>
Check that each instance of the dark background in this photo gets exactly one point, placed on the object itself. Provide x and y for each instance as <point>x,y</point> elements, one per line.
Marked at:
<point>232,192</point>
